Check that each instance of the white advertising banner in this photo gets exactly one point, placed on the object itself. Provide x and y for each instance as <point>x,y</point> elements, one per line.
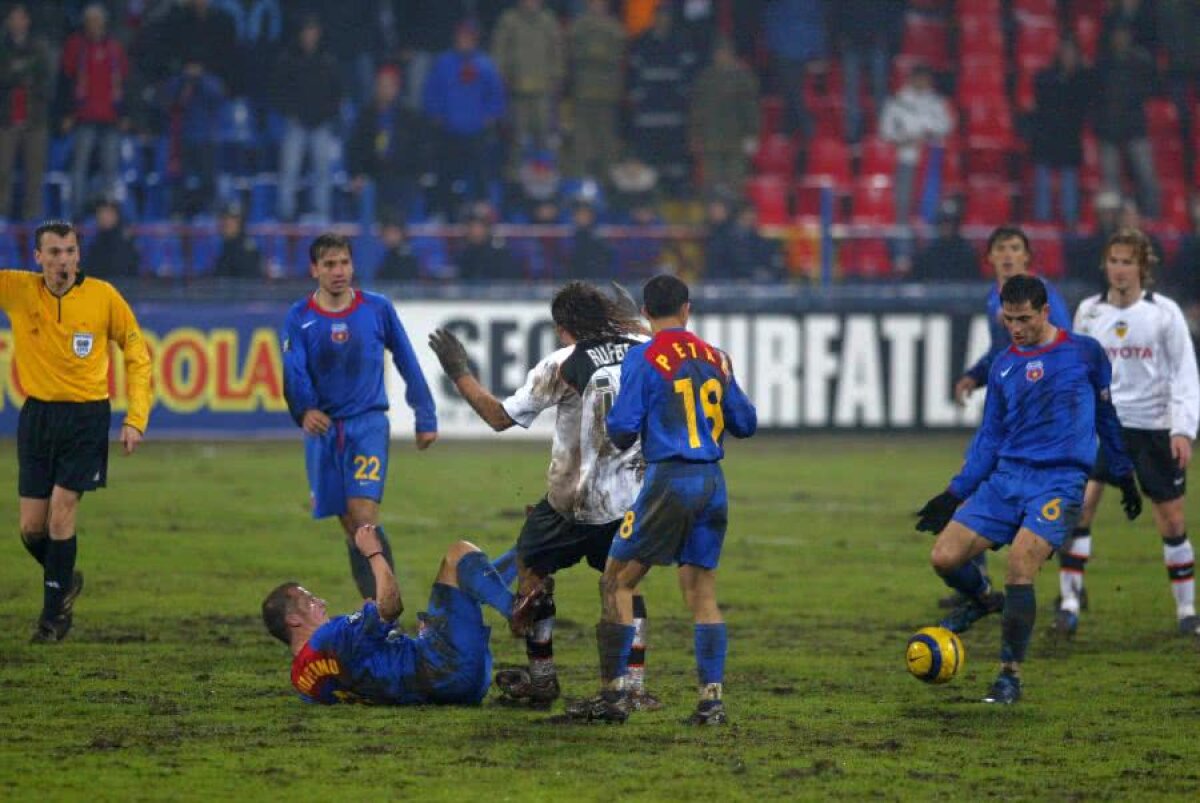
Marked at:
<point>845,370</point>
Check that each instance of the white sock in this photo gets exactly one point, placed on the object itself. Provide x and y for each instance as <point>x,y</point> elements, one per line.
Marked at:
<point>1181,569</point>
<point>1073,563</point>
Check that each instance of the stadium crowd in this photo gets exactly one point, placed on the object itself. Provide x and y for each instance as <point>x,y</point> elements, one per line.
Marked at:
<point>191,135</point>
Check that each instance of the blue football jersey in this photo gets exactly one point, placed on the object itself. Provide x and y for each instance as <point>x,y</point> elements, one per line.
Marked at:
<point>349,659</point>
<point>1060,317</point>
<point>679,395</point>
<point>333,361</point>
<point>1045,407</point>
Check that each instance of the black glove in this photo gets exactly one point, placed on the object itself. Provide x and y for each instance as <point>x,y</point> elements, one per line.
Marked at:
<point>937,513</point>
<point>1131,497</point>
<point>450,353</point>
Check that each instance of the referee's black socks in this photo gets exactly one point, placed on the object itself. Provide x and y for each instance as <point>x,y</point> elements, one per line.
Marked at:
<point>57,570</point>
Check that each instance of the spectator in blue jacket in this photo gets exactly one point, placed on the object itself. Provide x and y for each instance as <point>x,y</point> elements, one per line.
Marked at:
<point>192,100</point>
<point>797,41</point>
<point>464,100</point>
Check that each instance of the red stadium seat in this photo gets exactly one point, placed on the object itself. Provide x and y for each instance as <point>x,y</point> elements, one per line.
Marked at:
<point>926,37</point>
<point>1162,118</point>
<point>864,257</point>
<point>770,115</point>
<point>1173,198</point>
<point>970,8</point>
<point>1087,34</point>
<point>878,158</point>
<point>829,114</point>
<point>828,162</point>
<point>989,116</point>
<point>1047,246</point>
<point>1037,39</point>
<point>873,201</point>
<point>1168,157</point>
<point>988,204</point>
<point>979,80</point>
<point>1089,174</point>
<point>769,196</point>
<point>776,156</point>
<point>1036,8</point>
<point>981,34</point>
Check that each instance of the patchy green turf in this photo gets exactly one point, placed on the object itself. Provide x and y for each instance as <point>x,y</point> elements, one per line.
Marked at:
<point>169,688</point>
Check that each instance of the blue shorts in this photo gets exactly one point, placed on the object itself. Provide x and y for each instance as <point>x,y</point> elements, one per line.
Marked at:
<point>1046,501</point>
<point>679,516</point>
<point>454,664</point>
<point>350,459</point>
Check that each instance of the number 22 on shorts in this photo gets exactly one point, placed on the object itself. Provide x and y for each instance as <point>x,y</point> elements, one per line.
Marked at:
<point>366,469</point>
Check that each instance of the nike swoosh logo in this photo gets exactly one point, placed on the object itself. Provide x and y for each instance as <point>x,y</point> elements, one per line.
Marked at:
<point>1004,373</point>
<point>306,325</point>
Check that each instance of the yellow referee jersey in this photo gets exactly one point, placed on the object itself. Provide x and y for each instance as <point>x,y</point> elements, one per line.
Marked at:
<point>61,344</point>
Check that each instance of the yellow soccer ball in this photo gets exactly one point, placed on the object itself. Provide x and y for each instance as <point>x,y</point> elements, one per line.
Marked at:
<point>935,655</point>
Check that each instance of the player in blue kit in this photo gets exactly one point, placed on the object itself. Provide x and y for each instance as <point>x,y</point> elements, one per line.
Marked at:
<point>333,380</point>
<point>678,395</point>
<point>1009,254</point>
<point>1025,471</point>
<point>361,658</point>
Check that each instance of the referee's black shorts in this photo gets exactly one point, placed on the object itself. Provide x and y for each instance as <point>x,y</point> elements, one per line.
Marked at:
<point>1157,471</point>
<point>62,443</point>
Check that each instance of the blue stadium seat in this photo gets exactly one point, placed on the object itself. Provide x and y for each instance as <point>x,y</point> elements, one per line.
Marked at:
<point>431,254</point>
<point>264,197</point>
<point>276,255</point>
<point>206,244</point>
<point>368,250</point>
<point>162,255</point>
<point>10,252</point>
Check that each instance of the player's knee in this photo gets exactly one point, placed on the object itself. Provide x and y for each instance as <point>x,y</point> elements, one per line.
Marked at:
<point>457,551</point>
<point>942,560</point>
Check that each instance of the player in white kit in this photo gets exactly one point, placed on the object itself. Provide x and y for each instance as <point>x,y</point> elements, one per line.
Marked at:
<point>1157,395</point>
<point>589,484</point>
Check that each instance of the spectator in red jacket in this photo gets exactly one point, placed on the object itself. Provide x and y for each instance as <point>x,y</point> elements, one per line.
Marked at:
<point>96,69</point>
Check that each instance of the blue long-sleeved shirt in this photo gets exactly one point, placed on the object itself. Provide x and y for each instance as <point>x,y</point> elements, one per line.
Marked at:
<point>1060,317</point>
<point>464,92</point>
<point>679,395</point>
<point>1045,407</point>
<point>333,361</point>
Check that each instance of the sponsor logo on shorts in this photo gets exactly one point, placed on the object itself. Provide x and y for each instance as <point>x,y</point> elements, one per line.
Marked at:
<point>81,343</point>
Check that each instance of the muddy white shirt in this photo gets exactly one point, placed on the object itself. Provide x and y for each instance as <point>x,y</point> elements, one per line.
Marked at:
<point>589,479</point>
<point>1154,379</point>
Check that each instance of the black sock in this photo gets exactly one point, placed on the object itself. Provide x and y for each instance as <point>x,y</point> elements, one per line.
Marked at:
<point>539,643</point>
<point>56,573</point>
<point>36,544</point>
<point>1016,626</point>
<point>613,639</point>
<point>360,567</point>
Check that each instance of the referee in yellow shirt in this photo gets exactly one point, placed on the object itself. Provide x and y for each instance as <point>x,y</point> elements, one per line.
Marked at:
<point>62,323</point>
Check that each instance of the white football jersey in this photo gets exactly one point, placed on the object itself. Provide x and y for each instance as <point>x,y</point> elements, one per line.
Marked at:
<point>1154,382</point>
<point>589,479</point>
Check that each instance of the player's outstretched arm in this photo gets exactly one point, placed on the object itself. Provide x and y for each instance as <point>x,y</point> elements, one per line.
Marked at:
<point>387,592</point>
<point>453,357</point>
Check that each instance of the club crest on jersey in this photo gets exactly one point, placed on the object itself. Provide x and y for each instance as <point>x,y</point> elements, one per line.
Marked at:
<point>81,343</point>
<point>339,332</point>
<point>1121,328</point>
<point>1034,370</point>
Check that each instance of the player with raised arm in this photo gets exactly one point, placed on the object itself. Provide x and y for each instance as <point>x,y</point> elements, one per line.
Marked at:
<point>361,659</point>
<point>1009,254</point>
<point>1025,471</point>
<point>590,482</point>
<point>1156,392</point>
<point>679,396</point>
<point>333,351</point>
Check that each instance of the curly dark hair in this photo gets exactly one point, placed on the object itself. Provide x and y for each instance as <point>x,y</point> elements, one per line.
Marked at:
<point>589,314</point>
